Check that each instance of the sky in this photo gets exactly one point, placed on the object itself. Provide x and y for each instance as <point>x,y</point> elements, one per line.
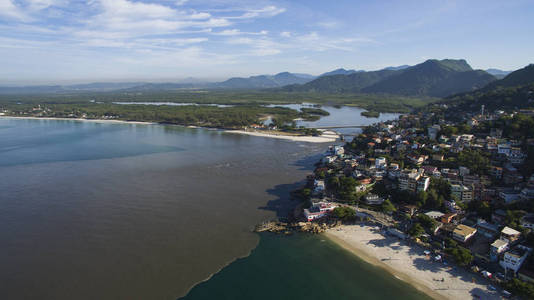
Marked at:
<point>45,41</point>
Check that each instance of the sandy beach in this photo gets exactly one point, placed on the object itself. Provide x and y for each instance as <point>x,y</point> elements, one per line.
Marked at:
<point>326,137</point>
<point>410,264</point>
<point>79,120</point>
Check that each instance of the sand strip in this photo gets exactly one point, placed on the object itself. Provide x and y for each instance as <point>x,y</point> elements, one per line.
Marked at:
<point>410,264</point>
<point>324,138</point>
<point>79,120</point>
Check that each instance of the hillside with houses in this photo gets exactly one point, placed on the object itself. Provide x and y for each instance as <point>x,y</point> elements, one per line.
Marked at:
<point>464,189</point>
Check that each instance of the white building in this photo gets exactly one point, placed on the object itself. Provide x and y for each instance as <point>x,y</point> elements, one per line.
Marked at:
<point>329,159</point>
<point>318,210</point>
<point>510,235</point>
<point>434,214</point>
<point>463,233</point>
<point>513,260</point>
<point>373,199</point>
<point>339,150</point>
<point>461,192</point>
<point>380,162</point>
<point>497,248</point>
<point>318,186</point>
<point>423,183</point>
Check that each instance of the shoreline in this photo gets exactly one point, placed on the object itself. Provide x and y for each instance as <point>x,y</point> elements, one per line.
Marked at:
<point>408,263</point>
<point>80,120</point>
<point>329,137</point>
<point>325,138</point>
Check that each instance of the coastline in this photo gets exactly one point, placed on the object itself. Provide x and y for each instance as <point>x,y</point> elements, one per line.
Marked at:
<point>329,137</point>
<point>408,263</point>
<point>325,138</point>
<point>80,120</point>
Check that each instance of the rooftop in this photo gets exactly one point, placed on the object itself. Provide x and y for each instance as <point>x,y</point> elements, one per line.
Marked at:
<point>434,214</point>
<point>499,243</point>
<point>510,231</point>
<point>464,230</point>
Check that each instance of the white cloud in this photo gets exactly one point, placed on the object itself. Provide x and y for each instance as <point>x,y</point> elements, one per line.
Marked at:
<point>268,11</point>
<point>9,10</point>
<point>329,24</point>
<point>43,4</point>
<point>285,34</point>
<point>235,32</point>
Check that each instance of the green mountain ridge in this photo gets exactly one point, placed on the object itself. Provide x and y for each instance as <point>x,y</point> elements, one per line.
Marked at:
<point>520,77</point>
<point>433,78</point>
<point>352,83</point>
<point>515,91</point>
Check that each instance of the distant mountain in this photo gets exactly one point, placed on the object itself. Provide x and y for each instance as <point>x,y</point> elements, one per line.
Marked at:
<point>253,82</point>
<point>265,81</point>
<point>41,89</point>
<point>397,68</point>
<point>517,78</point>
<point>340,71</point>
<point>435,78</point>
<point>305,76</point>
<point>167,86</point>
<point>352,83</point>
<point>515,91</point>
<point>498,73</point>
<point>102,86</point>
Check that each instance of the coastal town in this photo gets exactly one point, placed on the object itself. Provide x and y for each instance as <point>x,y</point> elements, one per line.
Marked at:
<point>460,187</point>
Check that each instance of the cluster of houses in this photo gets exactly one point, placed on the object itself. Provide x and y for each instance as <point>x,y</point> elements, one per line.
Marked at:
<point>407,158</point>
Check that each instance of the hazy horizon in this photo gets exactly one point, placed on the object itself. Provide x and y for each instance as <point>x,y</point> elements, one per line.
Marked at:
<point>69,42</point>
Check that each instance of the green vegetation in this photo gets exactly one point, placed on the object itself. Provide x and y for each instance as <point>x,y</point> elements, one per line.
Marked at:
<point>388,207</point>
<point>520,77</point>
<point>208,116</point>
<point>416,231</point>
<point>520,288</point>
<point>432,199</point>
<point>315,111</point>
<point>434,78</point>
<point>352,83</point>
<point>370,114</point>
<point>461,255</point>
<point>498,98</point>
<point>346,190</point>
<point>477,161</point>
<point>344,213</point>
<point>427,222</point>
<point>379,103</point>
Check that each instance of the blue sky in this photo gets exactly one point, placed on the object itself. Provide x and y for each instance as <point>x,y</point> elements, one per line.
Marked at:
<point>62,40</point>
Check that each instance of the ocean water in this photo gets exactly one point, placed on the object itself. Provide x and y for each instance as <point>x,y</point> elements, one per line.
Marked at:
<point>302,266</point>
<point>120,211</point>
<point>125,211</point>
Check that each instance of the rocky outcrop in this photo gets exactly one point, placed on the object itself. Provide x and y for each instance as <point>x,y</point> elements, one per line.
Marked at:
<point>311,227</point>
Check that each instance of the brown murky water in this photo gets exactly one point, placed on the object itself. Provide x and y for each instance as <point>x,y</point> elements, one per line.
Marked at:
<point>94,211</point>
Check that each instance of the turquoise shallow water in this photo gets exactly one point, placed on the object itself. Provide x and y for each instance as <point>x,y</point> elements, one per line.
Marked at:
<point>302,266</point>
